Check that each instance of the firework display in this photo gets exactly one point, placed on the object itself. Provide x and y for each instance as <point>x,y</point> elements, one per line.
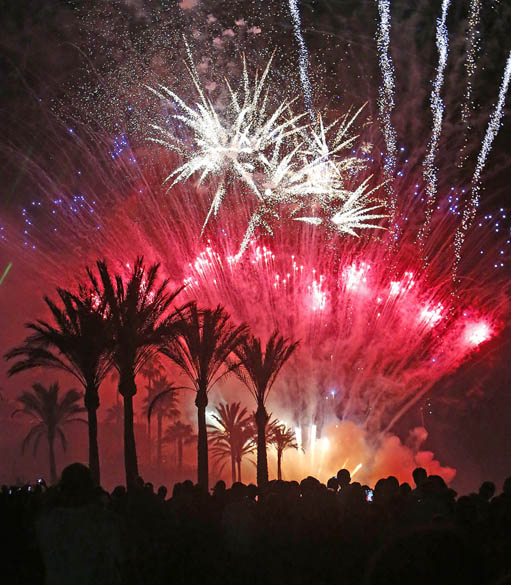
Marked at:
<point>294,216</point>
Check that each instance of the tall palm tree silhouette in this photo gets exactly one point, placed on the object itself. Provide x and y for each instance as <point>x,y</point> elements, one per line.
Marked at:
<point>204,341</point>
<point>76,342</point>
<point>258,370</point>
<point>139,320</point>
<point>179,434</point>
<point>161,400</point>
<point>282,438</point>
<point>232,435</point>
<point>49,415</point>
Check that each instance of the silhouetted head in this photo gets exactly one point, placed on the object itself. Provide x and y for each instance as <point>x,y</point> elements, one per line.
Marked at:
<point>343,478</point>
<point>392,485</point>
<point>76,484</point>
<point>506,488</point>
<point>252,491</point>
<point>119,492</point>
<point>332,484</point>
<point>405,489</point>
<point>219,488</point>
<point>487,490</point>
<point>420,475</point>
<point>162,493</point>
<point>238,491</point>
<point>438,484</point>
<point>177,490</point>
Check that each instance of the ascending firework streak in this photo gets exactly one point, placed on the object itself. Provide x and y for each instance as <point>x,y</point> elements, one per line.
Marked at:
<point>277,159</point>
<point>386,100</point>
<point>303,55</point>
<point>473,46</point>
<point>491,132</point>
<point>437,109</point>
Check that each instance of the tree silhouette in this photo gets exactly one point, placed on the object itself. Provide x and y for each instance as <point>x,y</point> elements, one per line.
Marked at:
<point>179,434</point>
<point>281,438</point>
<point>232,436</point>
<point>49,416</point>
<point>204,341</point>
<point>76,342</point>
<point>151,370</point>
<point>258,371</point>
<point>139,322</point>
<point>115,415</point>
<point>161,400</point>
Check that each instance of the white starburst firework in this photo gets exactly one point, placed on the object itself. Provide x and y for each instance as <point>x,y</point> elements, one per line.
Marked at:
<point>279,160</point>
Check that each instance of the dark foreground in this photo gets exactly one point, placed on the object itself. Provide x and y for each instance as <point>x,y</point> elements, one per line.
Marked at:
<point>292,533</point>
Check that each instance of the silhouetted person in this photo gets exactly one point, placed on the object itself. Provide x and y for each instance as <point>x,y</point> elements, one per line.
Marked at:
<point>487,491</point>
<point>343,478</point>
<point>419,475</point>
<point>162,493</point>
<point>220,488</point>
<point>78,539</point>
<point>332,484</point>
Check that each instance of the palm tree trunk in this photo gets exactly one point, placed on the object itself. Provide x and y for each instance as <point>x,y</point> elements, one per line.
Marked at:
<point>261,419</point>
<point>201,401</point>
<point>233,467</point>
<point>239,470</point>
<point>149,441</point>
<point>53,468</point>
<point>92,404</point>
<point>180,453</point>
<point>158,444</point>
<point>130,448</point>
<point>279,463</point>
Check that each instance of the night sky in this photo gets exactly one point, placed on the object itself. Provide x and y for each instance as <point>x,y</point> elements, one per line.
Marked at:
<point>53,52</point>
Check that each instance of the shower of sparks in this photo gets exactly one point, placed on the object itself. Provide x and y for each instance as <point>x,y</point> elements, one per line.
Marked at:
<point>396,334</point>
<point>303,54</point>
<point>278,158</point>
<point>491,132</point>
<point>437,109</point>
<point>386,98</point>
<point>352,213</point>
<point>473,47</point>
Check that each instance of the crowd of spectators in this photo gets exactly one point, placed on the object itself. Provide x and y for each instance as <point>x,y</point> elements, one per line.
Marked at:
<point>298,533</point>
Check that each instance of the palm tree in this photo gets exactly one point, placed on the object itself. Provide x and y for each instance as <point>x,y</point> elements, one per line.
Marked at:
<point>162,399</point>
<point>139,322</point>
<point>258,371</point>
<point>179,434</point>
<point>49,416</point>
<point>151,370</point>
<point>281,438</point>
<point>76,343</point>
<point>115,415</point>
<point>232,436</point>
<point>201,347</point>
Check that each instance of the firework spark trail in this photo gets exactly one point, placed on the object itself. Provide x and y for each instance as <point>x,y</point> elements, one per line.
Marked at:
<point>386,101</point>
<point>437,108</point>
<point>370,364</point>
<point>377,327</point>
<point>491,132</point>
<point>274,155</point>
<point>472,40</point>
<point>303,55</point>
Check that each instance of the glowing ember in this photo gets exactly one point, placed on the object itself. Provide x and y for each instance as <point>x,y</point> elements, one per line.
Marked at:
<point>477,333</point>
